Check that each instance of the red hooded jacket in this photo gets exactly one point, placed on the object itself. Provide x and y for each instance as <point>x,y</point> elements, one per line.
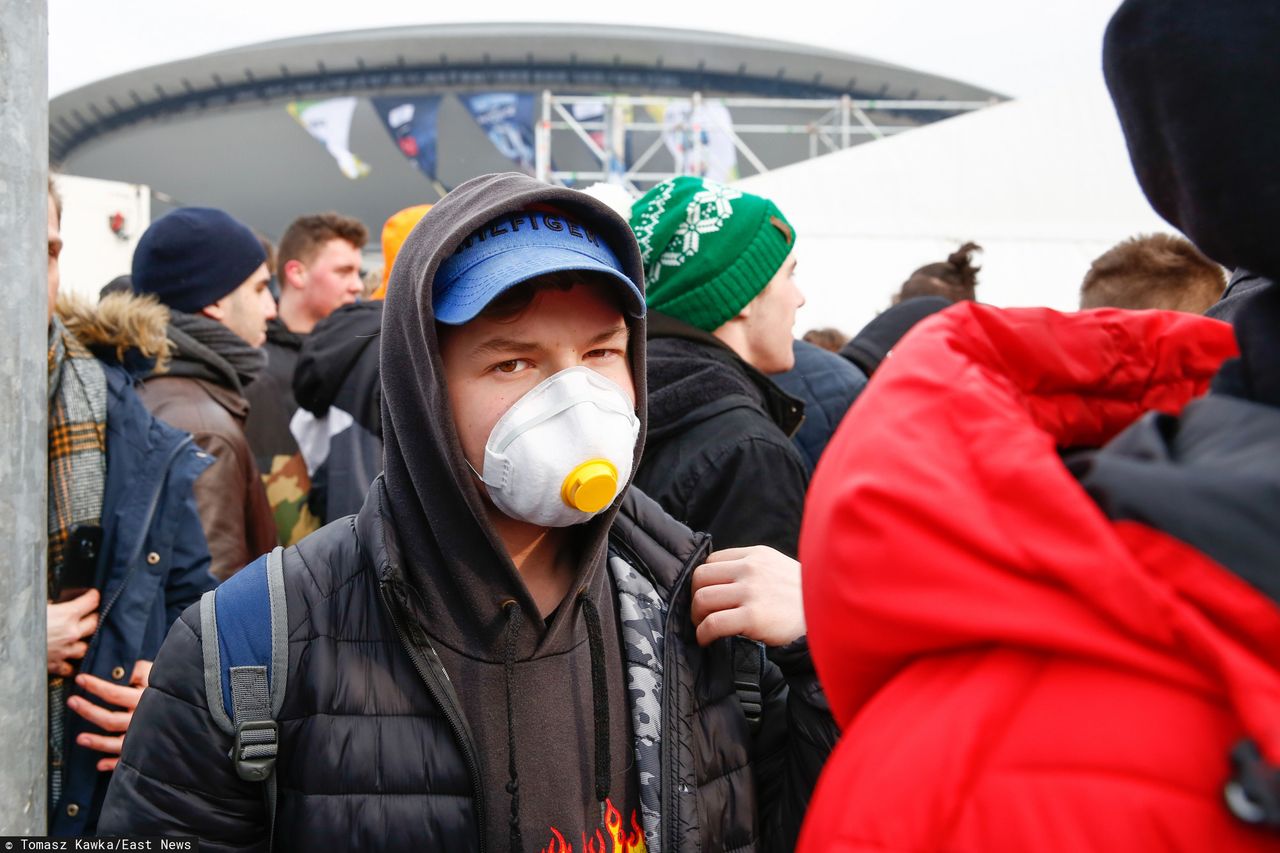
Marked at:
<point>1012,669</point>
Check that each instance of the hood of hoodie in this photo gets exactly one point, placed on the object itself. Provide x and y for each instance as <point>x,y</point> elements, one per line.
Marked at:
<point>693,376</point>
<point>1207,478</point>
<point>331,352</point>
<point>1194,85</point>
<point>123,328</point>
<point>453,558</point>
<point>278,333</point>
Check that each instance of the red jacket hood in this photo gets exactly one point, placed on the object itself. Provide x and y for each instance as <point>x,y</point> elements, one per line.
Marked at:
<point>942,516</point>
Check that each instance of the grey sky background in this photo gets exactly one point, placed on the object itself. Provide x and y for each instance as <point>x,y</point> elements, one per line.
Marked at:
<point>1016,47</point>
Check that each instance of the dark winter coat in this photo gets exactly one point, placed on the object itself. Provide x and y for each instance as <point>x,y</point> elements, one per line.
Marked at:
<point>271,410</point>
<point>870,346</point>
<point>271,400</point>
<point>1244,285</point>
<point>153,562</point>
<point>719,456</point>
<point>828,385</point>
<point>372,750</point>
<point>338,370</point>
<point>413,622</point>
<point>233,503</point>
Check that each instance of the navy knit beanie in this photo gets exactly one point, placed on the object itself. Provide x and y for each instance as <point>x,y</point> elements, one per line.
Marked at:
<point>194,256</point>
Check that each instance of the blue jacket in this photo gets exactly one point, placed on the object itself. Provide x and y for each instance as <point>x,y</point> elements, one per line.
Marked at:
<point>828,384</point>
<point>153,564</point>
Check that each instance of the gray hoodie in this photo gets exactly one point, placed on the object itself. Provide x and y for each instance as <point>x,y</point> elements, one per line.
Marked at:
<point>519,680</point>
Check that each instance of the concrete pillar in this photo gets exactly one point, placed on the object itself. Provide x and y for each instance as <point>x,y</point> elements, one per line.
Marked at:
<point>24,161</point>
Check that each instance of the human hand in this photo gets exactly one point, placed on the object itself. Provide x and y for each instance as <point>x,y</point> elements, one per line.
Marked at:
<point>69,623</point>
<point>116,722</point>
<point>751,592</point>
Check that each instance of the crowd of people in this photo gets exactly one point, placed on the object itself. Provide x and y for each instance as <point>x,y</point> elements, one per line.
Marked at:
<point>553,537</point>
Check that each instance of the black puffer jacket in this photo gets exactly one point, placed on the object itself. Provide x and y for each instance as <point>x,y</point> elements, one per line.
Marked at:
<point>365,745</point>
<point>719,456</point>
<point>338,370</point>
<point>431,703</point>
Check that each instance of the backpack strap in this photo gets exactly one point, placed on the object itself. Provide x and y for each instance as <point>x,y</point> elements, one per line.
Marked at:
<point>245,638</point>
<point>748,670</point>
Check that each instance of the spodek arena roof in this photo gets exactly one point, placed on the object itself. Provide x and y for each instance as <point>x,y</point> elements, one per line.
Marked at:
<point>213,129</point>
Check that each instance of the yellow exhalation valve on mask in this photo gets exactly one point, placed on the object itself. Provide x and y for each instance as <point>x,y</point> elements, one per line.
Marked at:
<point>591,486</point>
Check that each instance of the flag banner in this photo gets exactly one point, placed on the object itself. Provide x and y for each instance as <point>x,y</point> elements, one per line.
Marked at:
<point>412,125</point>
<point>329,123</point>
<point>507,118</point>
<point>701,140</point>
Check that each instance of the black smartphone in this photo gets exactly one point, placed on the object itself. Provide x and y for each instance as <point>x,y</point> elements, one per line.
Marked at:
<point>80,568</point>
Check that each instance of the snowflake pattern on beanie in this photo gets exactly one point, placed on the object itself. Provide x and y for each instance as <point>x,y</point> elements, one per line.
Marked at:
<point>707,249</point>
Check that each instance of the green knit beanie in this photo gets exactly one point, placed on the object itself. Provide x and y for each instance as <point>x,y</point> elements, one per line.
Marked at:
<point>707,249</point>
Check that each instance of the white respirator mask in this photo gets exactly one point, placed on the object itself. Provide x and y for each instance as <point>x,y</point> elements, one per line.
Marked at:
<point>560,454</point>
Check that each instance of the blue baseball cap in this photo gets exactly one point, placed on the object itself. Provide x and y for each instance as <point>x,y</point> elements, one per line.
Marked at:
<point>515,248</point>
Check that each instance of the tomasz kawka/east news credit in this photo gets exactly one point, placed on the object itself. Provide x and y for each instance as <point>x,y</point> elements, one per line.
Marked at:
<point>16,844</point>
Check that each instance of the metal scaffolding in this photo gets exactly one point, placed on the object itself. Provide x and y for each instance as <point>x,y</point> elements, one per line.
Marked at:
<point>836,124</point>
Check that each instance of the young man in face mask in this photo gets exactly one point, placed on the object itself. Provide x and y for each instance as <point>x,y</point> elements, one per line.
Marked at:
<point>504,650</point>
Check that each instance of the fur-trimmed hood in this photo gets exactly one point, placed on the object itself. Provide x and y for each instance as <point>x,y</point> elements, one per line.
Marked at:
<point>124,328</point>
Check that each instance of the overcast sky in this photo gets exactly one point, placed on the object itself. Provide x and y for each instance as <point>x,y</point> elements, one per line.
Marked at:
<point>1017,47</point>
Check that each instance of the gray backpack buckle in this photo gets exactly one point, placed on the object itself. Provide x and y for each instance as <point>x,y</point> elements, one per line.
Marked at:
<point>254,751</point>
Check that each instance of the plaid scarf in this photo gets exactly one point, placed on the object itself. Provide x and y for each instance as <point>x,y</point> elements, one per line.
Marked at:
<point>77,479</point>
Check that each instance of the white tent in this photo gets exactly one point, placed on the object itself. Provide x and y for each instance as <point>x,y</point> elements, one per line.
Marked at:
<point>1043,184</point>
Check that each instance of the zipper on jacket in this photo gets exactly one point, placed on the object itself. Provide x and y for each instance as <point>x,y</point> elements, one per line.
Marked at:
<point>142,543</point>
<point>452,712</point>
<point>670,799</point>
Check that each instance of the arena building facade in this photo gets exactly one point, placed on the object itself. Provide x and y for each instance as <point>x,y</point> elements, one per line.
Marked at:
<point>214,130</point>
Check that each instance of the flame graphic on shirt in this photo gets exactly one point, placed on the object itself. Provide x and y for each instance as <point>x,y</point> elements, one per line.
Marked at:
<point>612,838</point>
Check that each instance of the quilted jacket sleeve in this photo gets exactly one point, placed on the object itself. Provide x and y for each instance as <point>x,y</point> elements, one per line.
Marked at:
<point>726,499</point>
<point>795,738</point>
<point>175,777</point>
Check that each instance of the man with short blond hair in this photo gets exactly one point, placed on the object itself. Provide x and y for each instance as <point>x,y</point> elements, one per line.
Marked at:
<point>318,270</point>
<point>1153,271</point>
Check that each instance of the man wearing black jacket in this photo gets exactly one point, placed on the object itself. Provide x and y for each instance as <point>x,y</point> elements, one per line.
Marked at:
<point>508,648</point>
<point>720,267</point>
<point>319,271</point>
<point>337,386</point>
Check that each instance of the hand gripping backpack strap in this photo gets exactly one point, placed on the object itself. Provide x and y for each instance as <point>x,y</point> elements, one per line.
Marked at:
<point>245,636</point>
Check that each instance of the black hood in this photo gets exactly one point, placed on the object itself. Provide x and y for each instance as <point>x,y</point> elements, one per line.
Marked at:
<point>332,351</point>
<point>693,376</point>
<point>453,556</point>
<point>869,347</point>
<point>278,333</point>
<point>1208,478</point>
<point>1194,83</point>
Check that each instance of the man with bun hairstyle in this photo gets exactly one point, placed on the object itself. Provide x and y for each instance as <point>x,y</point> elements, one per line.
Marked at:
<point>720,266</point>
<point>508,648</point>
<point>211,272</point>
